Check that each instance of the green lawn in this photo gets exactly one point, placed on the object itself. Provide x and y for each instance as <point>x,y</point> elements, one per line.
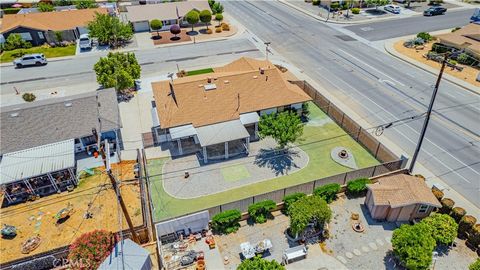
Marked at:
<point>9,56</point>
<point>234,173</point>
<point>317,142</point>
<point>199,71</point>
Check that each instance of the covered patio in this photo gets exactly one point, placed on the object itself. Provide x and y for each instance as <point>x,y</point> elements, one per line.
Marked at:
<point>38,171</point>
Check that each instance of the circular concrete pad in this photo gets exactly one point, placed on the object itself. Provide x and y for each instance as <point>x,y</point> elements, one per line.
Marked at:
<point>349,255</point>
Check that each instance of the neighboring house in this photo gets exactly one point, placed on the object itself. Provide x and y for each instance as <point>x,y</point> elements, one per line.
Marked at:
<point>127,255</point>
<point>169,13</point>
<point>40,28</point>
<point>217,114</point>
<point>467,38</point>
<point>53,120</point>
<point>400,197</point>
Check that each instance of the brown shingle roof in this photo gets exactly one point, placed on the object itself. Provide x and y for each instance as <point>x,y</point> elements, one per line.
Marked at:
<point>466,37</point>
<point>401,190</point>
<point>55,21</point>
<point>236,93</point>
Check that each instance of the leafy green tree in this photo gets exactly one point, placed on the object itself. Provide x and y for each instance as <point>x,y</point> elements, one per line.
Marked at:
<point>15,41</point>
<point>306,210</point>
<point>475,265</point>
<point>291,198</point>
<point>156,25</point>
<point>444,228</point>
<point>62,3</point>
<point>285,127</point>
<point>84,4</point>
<point>205,17</point>
<point>109,30</point>
<point>377,3</point>
<point>119,70</point>
<point>219,18</point>
<point>45,7</point>
<point>258,263</point>
<point>217,8</point>
<point>192,17</point>
<point>211,3</point>
<point>414,245</point>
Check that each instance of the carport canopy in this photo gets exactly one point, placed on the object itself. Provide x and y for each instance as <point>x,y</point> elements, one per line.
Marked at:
<point>249,118</point>
<point>182,132</point>
<point>37,161</point>
<point>221,132</point>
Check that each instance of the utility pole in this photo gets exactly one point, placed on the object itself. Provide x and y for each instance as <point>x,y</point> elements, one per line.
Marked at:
<point>115,186</point>
<point>266,49</point>
<point>427,118</point>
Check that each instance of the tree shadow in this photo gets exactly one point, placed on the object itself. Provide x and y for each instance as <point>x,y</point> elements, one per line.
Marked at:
<point>192,33</point>
<point>175,38</point>
<point>156,37</point>
<point>279,161</point>
<point>391,262</point>
<point>375,12</point>
<point>203,31</point>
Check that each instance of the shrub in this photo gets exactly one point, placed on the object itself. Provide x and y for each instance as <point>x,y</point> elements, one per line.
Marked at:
<point>258,262</point>
<point>413,245</point>
<point>457,213</point>
<point>209,31</point>
<point>327,192</point>
<point>475,265</point>
<point>259,211</point>
<point>357,187</point>
<point>355,10</point>
<point>439,48</point>
<point>226,221</point>
<point>15,41</point>
<point>29,97</point>
<point>456,28</point>
<point>447,205</point>
<point>45,7</point>
<point>335,6</point>
<point>175,29</point>
<point>443,227</point>
<point>437,193</point>
<point>425,36</point>
<point>316,2</point>
<point>307,210</point>
<point>218,29</point>
<point>465,226</point>
<point>474,237</point>
<point>225,27</point>
<point>91,248</point>
<point>452,62</point>
<point>291,198</point>
<point>466,59</point>
<point>219,17</point>
<point>11,10</point>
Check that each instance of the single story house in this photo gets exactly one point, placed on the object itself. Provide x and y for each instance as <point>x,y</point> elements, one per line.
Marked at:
<point>52,120</point>
<point>169,13</point>
<point>400,197</point>
<point>127,255</point>
<point>217,114</point>
<point>40,28</point>
<point>467,38</point>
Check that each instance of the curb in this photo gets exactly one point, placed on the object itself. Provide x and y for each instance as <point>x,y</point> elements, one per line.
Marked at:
<point>56,59</point>
<point>388,46</point>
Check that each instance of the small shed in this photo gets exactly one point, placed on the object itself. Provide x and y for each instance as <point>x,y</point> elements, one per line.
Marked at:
<point>170,230</point>
<point>127,255</point>
<point>400,197</point>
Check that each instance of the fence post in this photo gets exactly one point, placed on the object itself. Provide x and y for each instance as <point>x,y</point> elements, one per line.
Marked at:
<point>358,135</point>
<point>328,107</point>
<point>374,169</point>
<point>341,123</point>
<point>376,151</point>
<point>345,178</point>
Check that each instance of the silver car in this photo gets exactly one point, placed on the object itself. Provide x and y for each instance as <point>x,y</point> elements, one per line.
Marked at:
<point>36,59</point>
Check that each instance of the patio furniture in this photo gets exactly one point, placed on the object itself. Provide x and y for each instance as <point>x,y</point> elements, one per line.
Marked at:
<point>263,246</point>
<point>210,242</point>
<point>294,253</point>
<point>9,231</point>
<point>248,251</point>
<point>200,265</point>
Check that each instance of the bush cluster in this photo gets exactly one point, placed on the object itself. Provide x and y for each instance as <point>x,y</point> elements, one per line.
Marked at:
<point>439,48</point>
<point>355,10</point>
<point>260,211</point>
<point>437,193</point>
<point>15,41</point>
<point>475,265</point>
<point>11,10</point>
<point>29,97</point>
<point>473,239</point>
<point>91,248</point>
<point>457,213</point>
<point>425,36</point>
<point>291,198</point>
<point>316,2</point>
<point>357,187</point>
<point>226,221</point>
<point>465,226</point>
<point>447,205</point>
<point>327,192</point>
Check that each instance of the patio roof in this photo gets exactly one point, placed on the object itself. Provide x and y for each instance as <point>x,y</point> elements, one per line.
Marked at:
<point>182,132</point>
<point>37,161</point>
<point>249,118</point>
<point>221,132</point>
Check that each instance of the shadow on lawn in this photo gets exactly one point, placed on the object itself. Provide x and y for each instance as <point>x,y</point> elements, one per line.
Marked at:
<point>279,161</point>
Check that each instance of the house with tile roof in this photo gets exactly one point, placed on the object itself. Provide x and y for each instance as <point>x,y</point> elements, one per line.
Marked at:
<point>216,115</point>
<point>400,197</point>
<point>40,28</point>
<point>466,38</point>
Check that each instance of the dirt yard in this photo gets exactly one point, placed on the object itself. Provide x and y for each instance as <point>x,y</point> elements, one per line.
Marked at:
<point>468,74</point>
<point>94,194</point>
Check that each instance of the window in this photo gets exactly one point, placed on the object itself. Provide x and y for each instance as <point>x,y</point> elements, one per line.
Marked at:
<point>26,36</point>
<point>40,35</point>
<point>423,208</point>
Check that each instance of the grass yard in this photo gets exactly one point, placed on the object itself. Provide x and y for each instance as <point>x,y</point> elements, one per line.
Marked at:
<point>37,217</point>
<point>317,141</point>
<point>235,173</point>
<point>199,71</point>
<point>8,56</point>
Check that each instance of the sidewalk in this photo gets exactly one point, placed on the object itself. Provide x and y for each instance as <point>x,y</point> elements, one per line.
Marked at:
<point>388,46</point>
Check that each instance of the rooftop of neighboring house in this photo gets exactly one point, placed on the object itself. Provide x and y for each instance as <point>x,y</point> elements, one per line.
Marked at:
<point>54,21</point>
<point>401,190</point>
<point>52,120</point>
<point>164,11</point>
<point>239,87</point>
<point>467,36</point>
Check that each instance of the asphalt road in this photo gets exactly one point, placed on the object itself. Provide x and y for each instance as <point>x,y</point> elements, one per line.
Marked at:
<point>379,88</point>
<point>403,27</point>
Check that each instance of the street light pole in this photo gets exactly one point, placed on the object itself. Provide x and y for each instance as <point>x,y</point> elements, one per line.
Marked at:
<point>429,112</point>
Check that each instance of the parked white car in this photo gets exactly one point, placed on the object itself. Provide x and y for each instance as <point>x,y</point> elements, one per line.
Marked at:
<point>392,8</point>
<point>36,59</point>
<point>85,42</point>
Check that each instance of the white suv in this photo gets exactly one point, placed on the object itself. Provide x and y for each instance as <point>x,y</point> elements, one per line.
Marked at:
<point>36,59</point>
<point>85,42</point>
